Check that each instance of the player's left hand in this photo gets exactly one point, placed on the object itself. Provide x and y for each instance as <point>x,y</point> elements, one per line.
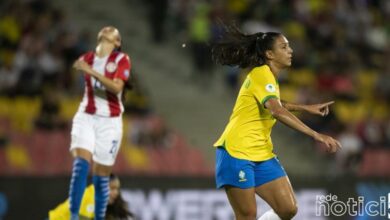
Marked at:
<point>81,65</point>
<point>319,109</point>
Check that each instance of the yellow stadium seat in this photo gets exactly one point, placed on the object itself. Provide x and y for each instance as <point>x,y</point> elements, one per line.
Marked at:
<point>5,106</point>
<point>380,111</point>
<point>69,107</point>
<point>18,156</point>
<point>366,81</point>
<point>289,93</point>
<point>136,157</point>
<point>24,111</point>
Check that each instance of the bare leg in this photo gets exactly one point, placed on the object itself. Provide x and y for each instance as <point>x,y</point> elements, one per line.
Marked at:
<point>243,202</point>
<point>101,170</point>
<point>280,196</point>
<point>82,153</point>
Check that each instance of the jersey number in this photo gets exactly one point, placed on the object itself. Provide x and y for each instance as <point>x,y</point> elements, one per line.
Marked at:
<point>114,147</point>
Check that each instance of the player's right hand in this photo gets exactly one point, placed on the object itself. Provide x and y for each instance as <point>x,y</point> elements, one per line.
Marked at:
<point>332,145</point>
<point>81,65</point>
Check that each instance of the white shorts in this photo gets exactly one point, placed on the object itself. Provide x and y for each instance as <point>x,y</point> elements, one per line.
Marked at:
<point>99,135</point>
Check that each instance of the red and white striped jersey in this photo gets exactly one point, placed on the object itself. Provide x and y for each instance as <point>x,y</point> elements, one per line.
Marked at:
<point>97,100</point>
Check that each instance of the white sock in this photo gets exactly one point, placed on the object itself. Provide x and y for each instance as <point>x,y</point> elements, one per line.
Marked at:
<point>269,215</point>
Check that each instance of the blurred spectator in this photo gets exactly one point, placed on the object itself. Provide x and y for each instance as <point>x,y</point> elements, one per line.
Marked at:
<point>157,15</point>
<point>150,131</point>
<point>10,29</point>
<point>26,62</point>
<point>200,35</point>
<point>136,101</point>
<point>159,134</point>
<point>51,66</point>
<point>383,82</point>
<point>232,74</point>
<point>371,132</point>
<point>343,85</point>
<point>348,157</point>
<point>9,77</point>
<point>386,128</point>
<point>4,139</point>
<point>49,117</point>
<point>238,8</point>
<point>178,11</point>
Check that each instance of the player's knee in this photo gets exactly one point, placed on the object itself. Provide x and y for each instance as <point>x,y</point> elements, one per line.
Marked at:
<point>287,212</point>
<point>248,213</point>
<point>81,153</point>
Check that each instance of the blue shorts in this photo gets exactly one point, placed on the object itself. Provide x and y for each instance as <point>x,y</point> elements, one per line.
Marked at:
<point>244,173</point>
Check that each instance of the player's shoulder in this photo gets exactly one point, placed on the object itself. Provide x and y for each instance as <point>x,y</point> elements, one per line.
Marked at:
<point>121,56</point>
<point>261,73</point>
<point>263,69</point>
<point>87,55</point>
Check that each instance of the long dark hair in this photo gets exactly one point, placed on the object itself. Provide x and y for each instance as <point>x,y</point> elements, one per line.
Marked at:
<point>235,48</point>
<point>118,209</point>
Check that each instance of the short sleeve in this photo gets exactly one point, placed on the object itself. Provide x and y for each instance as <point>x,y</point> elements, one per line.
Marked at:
<point>264,86</point>
<point>82,56</point>
<point>124,67</point>
<point>87,57</point>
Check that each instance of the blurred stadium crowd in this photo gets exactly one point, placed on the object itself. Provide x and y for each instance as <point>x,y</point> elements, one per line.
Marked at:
<point>341,53</point>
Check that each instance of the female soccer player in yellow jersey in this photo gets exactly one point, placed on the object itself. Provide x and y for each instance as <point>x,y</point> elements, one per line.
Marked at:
<point>116,207</point>
<point>245,162</point>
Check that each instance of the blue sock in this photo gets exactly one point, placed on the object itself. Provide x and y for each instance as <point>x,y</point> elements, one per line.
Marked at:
<point>77,186</point>
<point>102,191</point>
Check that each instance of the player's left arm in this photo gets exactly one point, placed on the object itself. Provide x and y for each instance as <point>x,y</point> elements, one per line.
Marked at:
<point>321,109</point>
<point>115,85</point>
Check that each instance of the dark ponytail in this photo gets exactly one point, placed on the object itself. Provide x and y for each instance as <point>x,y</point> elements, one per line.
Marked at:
<point>118,209</point>
<point>237,49</point>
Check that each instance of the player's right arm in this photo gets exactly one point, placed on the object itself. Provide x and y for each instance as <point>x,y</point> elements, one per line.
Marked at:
<point>321,109</point>
<point>283,115</point>
<point>115,85</point>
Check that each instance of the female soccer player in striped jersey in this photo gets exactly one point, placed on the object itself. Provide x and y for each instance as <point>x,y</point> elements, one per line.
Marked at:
<point>97,125</point>
<point>245,162</point>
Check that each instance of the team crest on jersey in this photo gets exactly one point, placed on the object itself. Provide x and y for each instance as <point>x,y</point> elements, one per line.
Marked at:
<point>90,208</point>
<point>111,67</point>
<point>270,87</point>
<point>126,73</point>
<point>241,176</point>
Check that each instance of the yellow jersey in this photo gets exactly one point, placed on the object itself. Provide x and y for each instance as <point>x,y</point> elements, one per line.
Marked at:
<point>87,208</point>
<point>248,133</point>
